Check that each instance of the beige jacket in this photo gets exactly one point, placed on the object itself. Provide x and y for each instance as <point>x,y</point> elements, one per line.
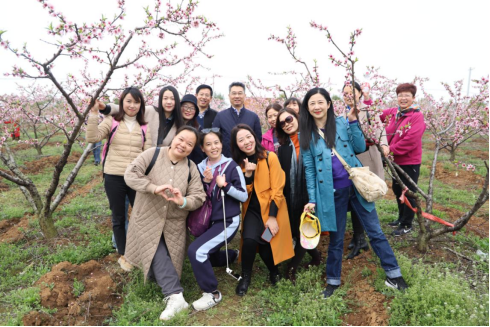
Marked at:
<point>125,146</point>
<point>152,215</point>
<point>152,117</point>
<point>372,157</point>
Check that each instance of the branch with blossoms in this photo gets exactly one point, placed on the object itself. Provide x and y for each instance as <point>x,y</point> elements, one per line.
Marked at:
<point>100,51</point>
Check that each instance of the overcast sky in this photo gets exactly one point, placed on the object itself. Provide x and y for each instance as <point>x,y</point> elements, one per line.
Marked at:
<point>434,39</point>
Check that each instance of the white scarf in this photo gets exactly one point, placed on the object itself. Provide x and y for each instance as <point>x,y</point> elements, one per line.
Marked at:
<point>130,122</point>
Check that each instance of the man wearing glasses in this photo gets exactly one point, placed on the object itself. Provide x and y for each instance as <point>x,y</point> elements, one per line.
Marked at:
<point>237,114</point>
<point>204,94</point>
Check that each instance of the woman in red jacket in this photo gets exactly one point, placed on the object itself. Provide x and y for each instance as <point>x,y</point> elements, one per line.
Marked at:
<point>405,128</point>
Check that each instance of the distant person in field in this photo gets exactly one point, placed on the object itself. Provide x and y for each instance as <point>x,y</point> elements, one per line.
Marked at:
<point>293,103</point>
<point>222,174</point>
<point>370,158</point>
<point>330,191</point>
<point>237,114</point>
<point>204,95</point>
<point>405,127</point>
<point>269,139</point>
<point>128,135</point>
<point>164,119</point>
<point>190,112</point>
<point>295,192</point>
<point>265,210</point>
<point>166,193</point>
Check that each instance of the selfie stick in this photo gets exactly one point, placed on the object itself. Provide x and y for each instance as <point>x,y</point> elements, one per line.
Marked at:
<point>228,270</point>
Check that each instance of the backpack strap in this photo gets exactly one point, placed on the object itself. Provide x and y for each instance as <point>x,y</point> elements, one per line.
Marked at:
<point>144,128</point>
<point>152,162</point>
<point>105,151</point>
<point>189,165</point>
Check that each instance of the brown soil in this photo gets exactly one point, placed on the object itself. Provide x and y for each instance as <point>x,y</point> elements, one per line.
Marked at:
<point>37,166</point>
<point>460,179</point>
<point>477,154</point>
<point>92,307</point>
<point>74,192</point>
<point>10,230</point>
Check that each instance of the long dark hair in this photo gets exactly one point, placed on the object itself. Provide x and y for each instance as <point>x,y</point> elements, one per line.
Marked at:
<point>237,154</point>
<point>281,135</point>
<point>307,126</point>
<point>138,97</point>
<point>177,120</point>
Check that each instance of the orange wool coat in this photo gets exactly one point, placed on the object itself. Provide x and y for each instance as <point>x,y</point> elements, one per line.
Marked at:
<point>269,184</point>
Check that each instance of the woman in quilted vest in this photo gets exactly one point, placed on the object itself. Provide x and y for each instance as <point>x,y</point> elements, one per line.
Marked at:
<point>221,174</point>
<point>331,192</point>
<point>265,209</point>
<point>157,229</point>
<point>128,136</point>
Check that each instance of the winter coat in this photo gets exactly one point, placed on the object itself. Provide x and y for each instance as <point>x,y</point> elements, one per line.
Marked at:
<point>268,183</point>
<point>268,140</point>
<point>152,215</point>
<point>152,117</point>
<point>235,189</point>
<point>405,135</point>
<point>125,146</point>
<point>371,157</point>
<point>318,170</point>
<point>208,118</point>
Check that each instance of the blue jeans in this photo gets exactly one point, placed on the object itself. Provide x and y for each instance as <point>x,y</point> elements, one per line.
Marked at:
<point>126,226</point>
<point>343,198</point>
<point>96,149</point>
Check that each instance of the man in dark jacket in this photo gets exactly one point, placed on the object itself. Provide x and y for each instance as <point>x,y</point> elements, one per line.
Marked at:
<point>204,94</point>
<point>237,114</point>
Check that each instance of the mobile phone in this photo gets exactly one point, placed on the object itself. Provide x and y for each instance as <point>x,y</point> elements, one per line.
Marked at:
<point>267,235</point>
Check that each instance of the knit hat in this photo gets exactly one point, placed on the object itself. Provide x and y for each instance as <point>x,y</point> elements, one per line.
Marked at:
<point>190,98</point>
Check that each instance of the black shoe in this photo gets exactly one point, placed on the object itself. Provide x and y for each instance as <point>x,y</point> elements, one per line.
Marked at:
<point>395,223</point>
<point>352,243</point>
<point>243,284</point>
<point>291,274</point>
<point>398,283</point>
<point>402,230</point>
<point>329,291</point>
<point>360,244</point>
<point>274,277</point>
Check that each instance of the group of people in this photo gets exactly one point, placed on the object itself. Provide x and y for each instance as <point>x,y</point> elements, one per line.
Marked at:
<point>167,160</point>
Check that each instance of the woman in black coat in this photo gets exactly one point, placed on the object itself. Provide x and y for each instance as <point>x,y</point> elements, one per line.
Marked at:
<point>295,192</point>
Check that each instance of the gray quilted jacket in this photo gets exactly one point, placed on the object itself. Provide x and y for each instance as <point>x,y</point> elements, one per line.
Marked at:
<point>152,215</point>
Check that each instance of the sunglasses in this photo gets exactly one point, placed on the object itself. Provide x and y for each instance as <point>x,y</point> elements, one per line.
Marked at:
<point>209,130</point>
<point>288,120</point>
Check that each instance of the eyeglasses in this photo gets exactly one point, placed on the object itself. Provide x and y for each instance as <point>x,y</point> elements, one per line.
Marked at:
<point>207,96</point>
<point>234,94</point>
<point>188,108</point>
<point>288,120</point>
<point>209,130</point>
<point>404,95</point>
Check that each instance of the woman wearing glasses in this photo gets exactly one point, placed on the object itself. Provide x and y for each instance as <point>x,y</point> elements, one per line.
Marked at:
<point>221,174</point>
<point>164,120</point>
<point>295,192</point>
<point>190,112</point>
<point>405,128</point>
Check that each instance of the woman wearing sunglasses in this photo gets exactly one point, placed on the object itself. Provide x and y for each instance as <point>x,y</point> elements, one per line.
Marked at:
<point>295,187</point>
<point>222,174</point>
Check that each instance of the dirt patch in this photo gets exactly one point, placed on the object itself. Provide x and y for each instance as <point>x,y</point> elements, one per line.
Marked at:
<point>10,230</point>
<point>477,154</point>
<point>460,178</point>
<point>37,166</point>
<point>74,192</point>
<point>92,306</point>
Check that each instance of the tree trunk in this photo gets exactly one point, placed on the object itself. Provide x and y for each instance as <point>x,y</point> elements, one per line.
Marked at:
<point>39,149</point>
<point>424,233</point>
<point>430,199</point>
<point>452,151</point>
<point>47,224</point>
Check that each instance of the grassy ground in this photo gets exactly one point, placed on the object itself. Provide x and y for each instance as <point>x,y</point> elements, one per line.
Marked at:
<point>445,288</point>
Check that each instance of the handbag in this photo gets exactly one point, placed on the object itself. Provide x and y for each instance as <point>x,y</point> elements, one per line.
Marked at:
<point>199,220</point>
<point>367,183</point>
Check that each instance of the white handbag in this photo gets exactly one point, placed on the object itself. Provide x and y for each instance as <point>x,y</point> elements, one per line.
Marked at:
<point>367,183</point>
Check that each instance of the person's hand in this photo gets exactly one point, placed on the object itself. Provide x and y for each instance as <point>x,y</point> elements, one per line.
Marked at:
<point>98,105</point>
<point>249,167</point>
<point>272,224</point>
<point>386,150</point>
<point>162,189</point>
<point>208,176</point>
<point>220,180</point>
<point>351,115</point>
<point>177,197</point>
<point>310,207</point>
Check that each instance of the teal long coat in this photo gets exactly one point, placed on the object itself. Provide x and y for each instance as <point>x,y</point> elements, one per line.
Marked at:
<point>317,160</point>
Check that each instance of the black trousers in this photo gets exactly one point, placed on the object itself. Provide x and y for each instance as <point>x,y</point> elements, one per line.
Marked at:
<point>117,190</point>
<point>405,214</point>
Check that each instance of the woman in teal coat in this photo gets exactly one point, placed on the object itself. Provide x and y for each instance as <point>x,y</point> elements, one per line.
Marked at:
<point>331,192</point>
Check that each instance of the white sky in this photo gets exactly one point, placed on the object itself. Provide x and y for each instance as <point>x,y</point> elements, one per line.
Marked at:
<point>434,39</point>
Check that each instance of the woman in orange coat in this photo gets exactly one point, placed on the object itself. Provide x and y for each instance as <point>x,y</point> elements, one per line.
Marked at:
<point>265,209</point>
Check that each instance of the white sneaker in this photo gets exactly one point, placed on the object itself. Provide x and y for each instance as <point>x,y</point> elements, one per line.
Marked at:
<point>206,301</point>
<point>175,304</point>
